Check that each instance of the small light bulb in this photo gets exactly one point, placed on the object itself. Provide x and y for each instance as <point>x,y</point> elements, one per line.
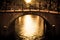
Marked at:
<point>53,25</point>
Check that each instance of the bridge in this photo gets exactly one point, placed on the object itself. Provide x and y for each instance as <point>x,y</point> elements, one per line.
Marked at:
<point>29,10</point>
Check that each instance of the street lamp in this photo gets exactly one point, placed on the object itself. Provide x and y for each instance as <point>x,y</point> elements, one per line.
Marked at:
<point>28,1</point>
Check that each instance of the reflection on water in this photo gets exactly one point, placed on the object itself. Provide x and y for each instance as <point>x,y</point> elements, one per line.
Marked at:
<point>29,27</point>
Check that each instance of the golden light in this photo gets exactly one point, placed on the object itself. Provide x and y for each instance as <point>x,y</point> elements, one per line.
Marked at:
<point>30,26</point>
<point>27,1</point>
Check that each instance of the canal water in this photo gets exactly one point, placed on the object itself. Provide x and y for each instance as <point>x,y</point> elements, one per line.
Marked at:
<point>30,27</point>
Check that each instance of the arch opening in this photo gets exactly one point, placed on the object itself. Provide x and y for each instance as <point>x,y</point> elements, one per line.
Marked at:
<point>30,27</point>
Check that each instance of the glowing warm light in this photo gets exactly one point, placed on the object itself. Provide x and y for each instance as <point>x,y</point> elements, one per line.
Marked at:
<point>30,26</point>
<point>27,1</point>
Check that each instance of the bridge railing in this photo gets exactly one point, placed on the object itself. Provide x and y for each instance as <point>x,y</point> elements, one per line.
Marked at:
<point>31,10</point>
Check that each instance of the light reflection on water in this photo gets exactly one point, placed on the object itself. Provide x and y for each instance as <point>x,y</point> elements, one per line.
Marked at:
<point>29,27</point>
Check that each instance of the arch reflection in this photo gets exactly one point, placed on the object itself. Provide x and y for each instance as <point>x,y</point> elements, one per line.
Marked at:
<point>30,27</point>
